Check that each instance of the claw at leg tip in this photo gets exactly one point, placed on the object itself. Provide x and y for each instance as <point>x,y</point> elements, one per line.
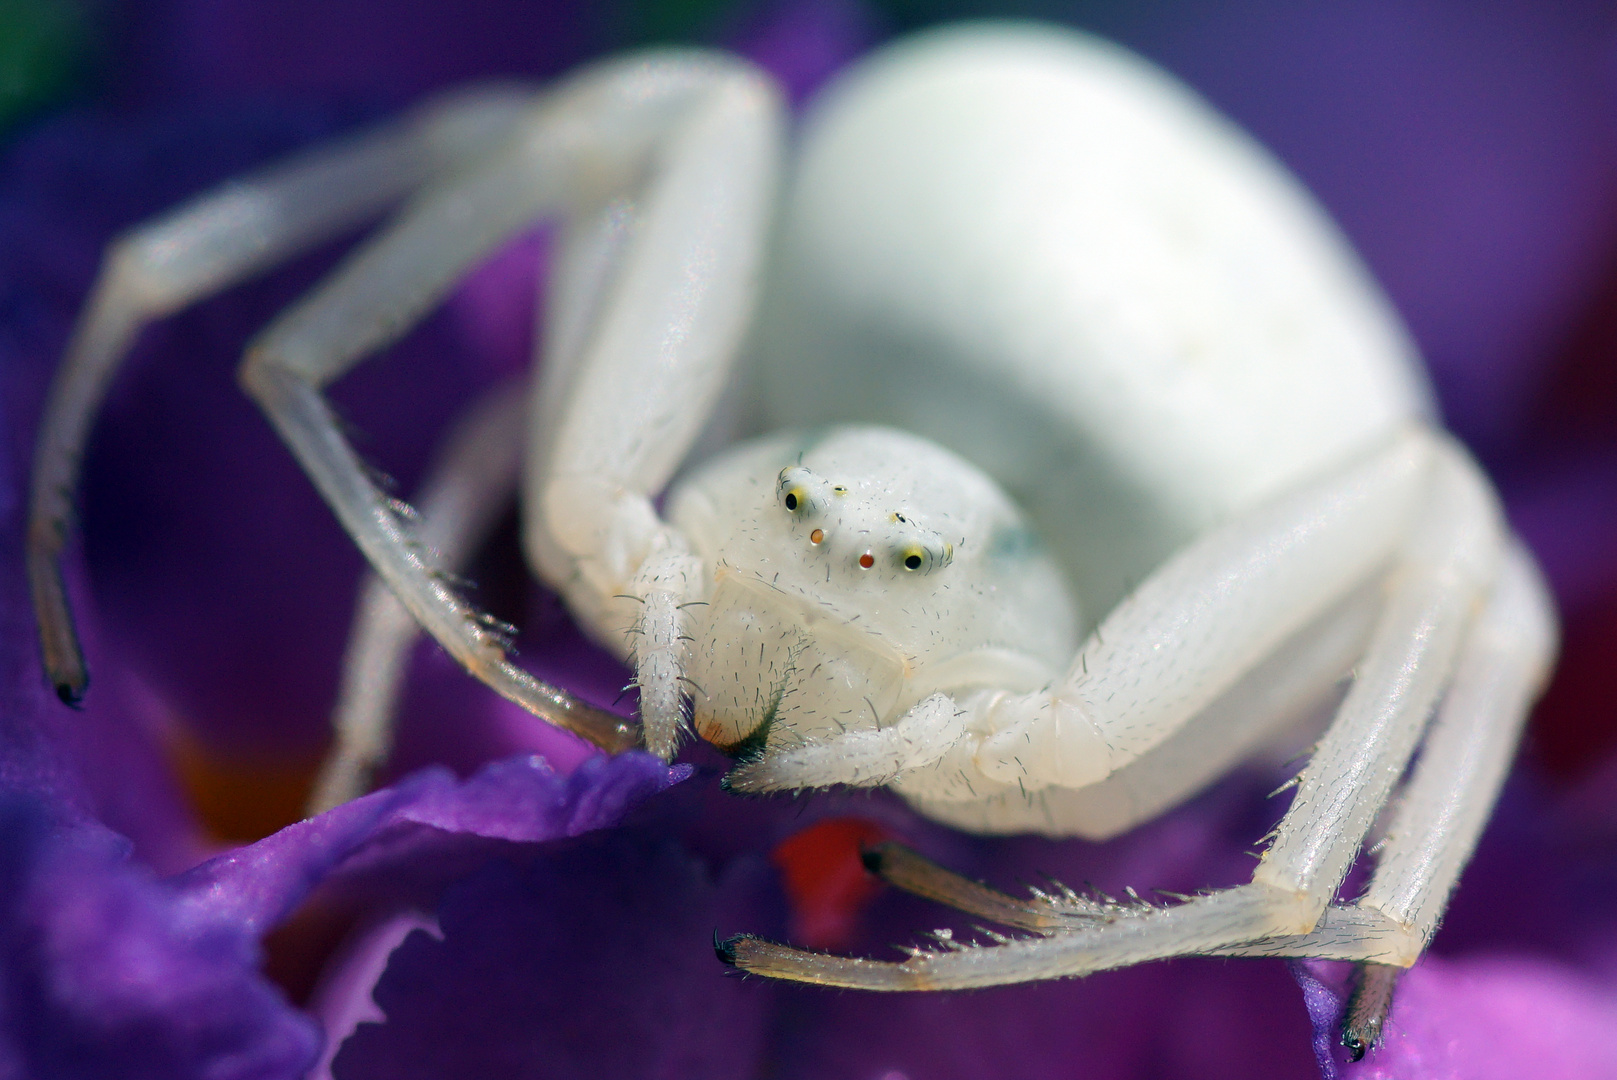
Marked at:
<point>71,694</point>
<point>725,948</point>
<point>871,858</point>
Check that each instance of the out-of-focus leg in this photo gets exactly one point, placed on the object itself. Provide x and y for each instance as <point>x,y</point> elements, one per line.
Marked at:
<point>207,245</point>
<point>473,483</point>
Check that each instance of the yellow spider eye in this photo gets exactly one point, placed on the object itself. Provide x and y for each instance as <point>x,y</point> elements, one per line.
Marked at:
<point>913,559</point>
<point>793,499</point>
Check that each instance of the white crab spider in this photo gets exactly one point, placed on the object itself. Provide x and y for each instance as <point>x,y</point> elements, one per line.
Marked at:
<point>1026,246</point>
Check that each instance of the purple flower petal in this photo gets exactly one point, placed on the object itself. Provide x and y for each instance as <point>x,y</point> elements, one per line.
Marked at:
<point>593,962</point>
<point>345,997</point>
<point>1325,1003</point>
<point>408,840</point>
<point>1487,1018</point>
<point>103,974</point>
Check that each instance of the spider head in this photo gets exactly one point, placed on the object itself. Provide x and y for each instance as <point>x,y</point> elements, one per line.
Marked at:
<point>851,570</point>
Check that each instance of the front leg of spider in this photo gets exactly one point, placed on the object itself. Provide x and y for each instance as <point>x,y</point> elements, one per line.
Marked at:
<point>651,293</point>
<point>862,758</point>
<point>206,245</point>
<point>685,144</point>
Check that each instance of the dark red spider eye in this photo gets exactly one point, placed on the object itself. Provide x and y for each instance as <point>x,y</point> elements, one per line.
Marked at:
<point>867,560</point>
<point>816,536</point>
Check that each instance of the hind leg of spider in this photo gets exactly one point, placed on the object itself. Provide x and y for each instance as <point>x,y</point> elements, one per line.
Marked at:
<point>207,245</point>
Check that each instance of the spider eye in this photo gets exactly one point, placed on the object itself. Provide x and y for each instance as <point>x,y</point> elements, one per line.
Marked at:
<point>922,555</point>
<point>800,491</point>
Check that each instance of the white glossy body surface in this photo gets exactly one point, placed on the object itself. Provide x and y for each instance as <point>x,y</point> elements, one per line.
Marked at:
<point>1056,260</point>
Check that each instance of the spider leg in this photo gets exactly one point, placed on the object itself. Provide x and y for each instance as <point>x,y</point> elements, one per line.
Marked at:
<point>1296,681</point>
<point>1465,756</point>
<point>204,246</point>
<point>927,748</point>
<point>1207,616</point>
<point>1446,562</point>
<point>701,129</point>
<point>653,291</point>
<point>461,501</point>
<point>1044,913</point>
<point>1445,804</point>
<point>857,758</point>
<point>1468,752</point>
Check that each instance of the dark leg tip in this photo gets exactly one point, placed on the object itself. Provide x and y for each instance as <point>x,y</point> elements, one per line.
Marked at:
<point>871,857</point>
<point>70,695</point>
<point>725,948</point>
<point>1368,1007</point>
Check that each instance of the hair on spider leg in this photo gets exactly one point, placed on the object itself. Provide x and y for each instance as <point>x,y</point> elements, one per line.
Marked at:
<point>402,510</point>
<point>1287,786</point>
<point>492,623</point>
<point>452,580</point>
<point>380,479</point>
<point>491,628</point>
<point>945,937</point>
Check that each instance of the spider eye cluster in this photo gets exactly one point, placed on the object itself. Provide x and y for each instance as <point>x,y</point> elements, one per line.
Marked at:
<point>906,546</point>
